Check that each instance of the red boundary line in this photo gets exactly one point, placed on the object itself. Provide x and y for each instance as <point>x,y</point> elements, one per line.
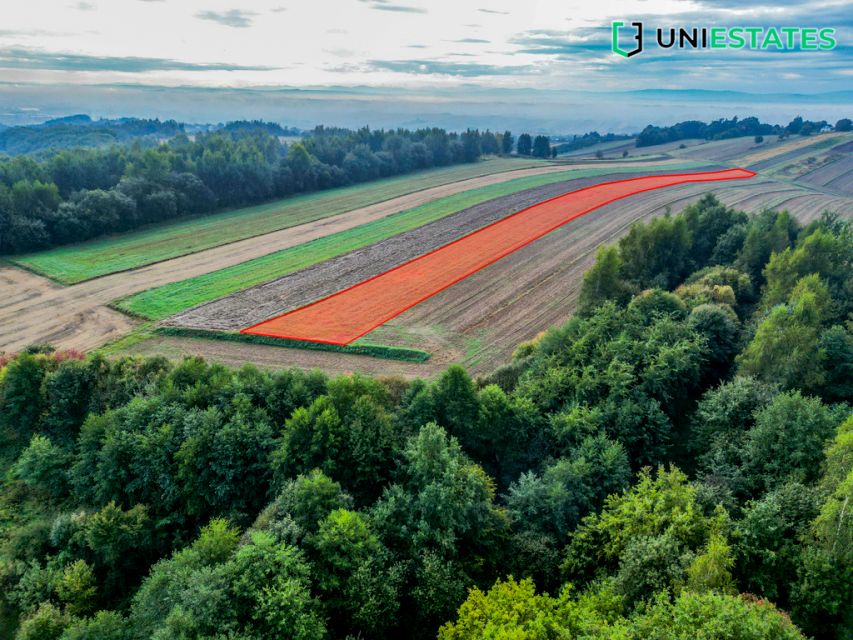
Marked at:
<point>249,330</point>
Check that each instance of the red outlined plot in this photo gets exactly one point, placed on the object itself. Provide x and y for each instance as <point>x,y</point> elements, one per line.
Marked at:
<point>344,316</point>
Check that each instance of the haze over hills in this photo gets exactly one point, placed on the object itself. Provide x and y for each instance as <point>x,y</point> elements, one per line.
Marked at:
<point>536,110</point>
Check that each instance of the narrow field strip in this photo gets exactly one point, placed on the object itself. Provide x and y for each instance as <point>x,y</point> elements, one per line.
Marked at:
<point>167,300</point>
<point>78,262</point>
<point>387,352</point>
<point>351,313</point>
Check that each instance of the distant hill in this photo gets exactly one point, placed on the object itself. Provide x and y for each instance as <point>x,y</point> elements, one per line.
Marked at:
<point>81,131</point>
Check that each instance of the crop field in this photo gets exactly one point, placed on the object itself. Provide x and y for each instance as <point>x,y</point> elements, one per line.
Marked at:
<point>79,315</point>
<point>835,176</point>
<point>161,302</point>
<point>481,319</point>
<point>350,237</point>
<point>353,312</point>
<point>75,263</point>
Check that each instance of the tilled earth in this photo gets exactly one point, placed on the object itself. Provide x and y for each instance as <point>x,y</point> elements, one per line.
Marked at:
<point>297,289</point>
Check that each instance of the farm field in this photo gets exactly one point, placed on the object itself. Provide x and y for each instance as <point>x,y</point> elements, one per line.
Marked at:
<point>77,316</point>
<point>161,302</point>
<point>353,312</point>
<point>481,319</point>
<point>75,263</point>
<point>834,176</point>
<point>334,248</point>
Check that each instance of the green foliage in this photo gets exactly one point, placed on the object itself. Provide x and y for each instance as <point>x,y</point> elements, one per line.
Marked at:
<point>767,233</point>
<point>301,505</point>
<point>21,402</point>
<point>510,609</point>
<point>603,281</point>
<point>663,504</point>
<point>707,616</point>
<point>767,540</point>
<point>124,188</point>
<point>711,569</point>
<point>821,252</point>
<point>787,441</point>
<point>46,623</point>
<point>76,588</point>
<point>786,347</point>
<point>104,625</point>
<point>636,366</point>
<point>42,465</point>
<point>833,527</point>
<point>657,254</point>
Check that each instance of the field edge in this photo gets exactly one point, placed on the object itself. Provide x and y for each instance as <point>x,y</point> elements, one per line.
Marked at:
<point>385,352</point>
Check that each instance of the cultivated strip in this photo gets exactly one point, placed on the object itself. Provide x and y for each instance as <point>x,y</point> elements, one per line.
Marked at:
<point>349,314</point>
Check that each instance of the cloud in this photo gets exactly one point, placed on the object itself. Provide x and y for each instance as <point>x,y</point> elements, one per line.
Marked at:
<point>278,9</point>
<point>386,5</point>
<point>20,58</point>
<point>581,41</point>
<point>237,18</point>
<point>84,6</point>
<point>494,11</point>
<point>440,67</point>
<point>41,33</point>
<point>471,41</point>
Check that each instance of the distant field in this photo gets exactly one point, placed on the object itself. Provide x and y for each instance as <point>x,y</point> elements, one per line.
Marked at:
<point>75,263</point>
<point>162,302</point>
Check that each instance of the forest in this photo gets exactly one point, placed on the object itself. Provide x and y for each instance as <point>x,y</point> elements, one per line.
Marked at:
<point>673,462</point>
<point>78,194</point>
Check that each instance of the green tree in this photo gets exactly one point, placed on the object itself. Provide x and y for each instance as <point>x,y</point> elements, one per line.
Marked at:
<point>47,623</point>
<point>711,570</point>
<point>787,441</point>
<point>42,465</point>
<point>104,625</point>
<point>21,400</point>
<point>603,281</point>
<point>525,144</point>
<point>507,143</point>
<point>541,147</point>
<point>663,504</point>
<point>786,346</point>
<point>710,615</point>
<point>77,588</point>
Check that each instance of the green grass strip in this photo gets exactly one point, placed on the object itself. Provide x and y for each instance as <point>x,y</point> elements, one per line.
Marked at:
<point>363,349</point>
<point>78,262</point>
<point>161,302</point>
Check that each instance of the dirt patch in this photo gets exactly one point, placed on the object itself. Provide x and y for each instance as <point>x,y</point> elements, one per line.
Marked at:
<point>75,323</point>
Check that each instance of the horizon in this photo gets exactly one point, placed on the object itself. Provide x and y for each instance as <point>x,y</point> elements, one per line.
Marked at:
<point>435,64</point>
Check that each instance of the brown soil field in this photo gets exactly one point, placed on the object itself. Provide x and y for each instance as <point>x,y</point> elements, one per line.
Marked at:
<point>76,316</point>
<point>835,176</point>
<point>303,287</point>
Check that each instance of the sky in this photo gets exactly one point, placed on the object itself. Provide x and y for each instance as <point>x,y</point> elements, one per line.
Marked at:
<point>107,55</point>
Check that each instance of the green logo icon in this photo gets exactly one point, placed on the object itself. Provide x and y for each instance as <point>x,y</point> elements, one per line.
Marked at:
<point>638,38</point>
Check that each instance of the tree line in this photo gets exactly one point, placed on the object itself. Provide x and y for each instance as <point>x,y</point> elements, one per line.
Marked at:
<point>78,194</point>
<point>723,129</point>
<point>672,462</point>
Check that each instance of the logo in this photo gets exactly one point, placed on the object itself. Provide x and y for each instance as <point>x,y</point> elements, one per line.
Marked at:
<point>754,38</point>
<point>638,38</point>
